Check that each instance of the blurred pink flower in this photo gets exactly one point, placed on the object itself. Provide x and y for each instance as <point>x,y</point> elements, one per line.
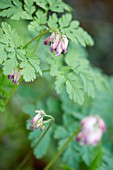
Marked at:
<point>15,76</point>
<point>57,43</point>
<point>37,121</point>
<point>93,128</point>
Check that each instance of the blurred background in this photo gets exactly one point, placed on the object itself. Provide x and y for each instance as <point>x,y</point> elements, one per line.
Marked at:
<point>96,17</point>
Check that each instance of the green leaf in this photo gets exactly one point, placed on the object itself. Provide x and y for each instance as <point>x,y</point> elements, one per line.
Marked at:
<point>52,22</point>
<point>13,9</point>
<point>30,9</point>
<point>86,154</point>
<point>41,149</point>
<point>35,63</point>
<point>3,54</point>
<point>65,20</point>
<point>70,155</point>
<point>59,84</point>
<point>5,4</point>
<point>107,160</point>
<point>10,64</point>
<point>9,37</point>
<point>10,48</point>
<point>27,71</point>
<point>54,67</point>
<point>74,88</point>
<point>95,163</point>
<point>20,53</point>
<point>58,6</point>
<point>66,167</point>
<point>2,105</point>
<point>41,3</point>
<point>74,32</point>
<point>39,21</point>
<point>89,78</point>
<point>60,132</point>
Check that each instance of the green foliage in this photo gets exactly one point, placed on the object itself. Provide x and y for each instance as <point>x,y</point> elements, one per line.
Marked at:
<point>95,163</point>
<point>66,167</point>
<point>41,149</point>
<point>77,77</point>
<point>10,41</point>
<point>29,68</point>
<point>82,89</point>
<point>52,21</point>
<point>53,5</point>
<point>38,24</point>
<point>71,28</point>
<point>14,9</point>
<point>74,156</point>
<point>15,56</point>
<point>71,153</point>
<point>73,31</point>
<point>5,88</point>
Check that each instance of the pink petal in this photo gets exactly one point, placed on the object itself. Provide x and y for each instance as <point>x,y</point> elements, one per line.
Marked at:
<point>89,122</point>
<point>16,77</point>
<point>49,39</point>
<point>59,49</point>
<point>94,136</point>
<point>79,137</point>
<point>55,43</point>
<point>102,125</point>
<point>65,43</point>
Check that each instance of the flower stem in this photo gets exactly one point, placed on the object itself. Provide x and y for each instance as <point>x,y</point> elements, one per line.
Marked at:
<point>10,94</point>
<point>52,120</point>
<point>29,154</point>
<point>44,71</point>
<point>62,149</point>
<point>33,39</point>
<point>38,41</point>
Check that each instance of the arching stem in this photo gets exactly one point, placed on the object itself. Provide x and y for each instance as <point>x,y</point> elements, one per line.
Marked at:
<point>62,149</point>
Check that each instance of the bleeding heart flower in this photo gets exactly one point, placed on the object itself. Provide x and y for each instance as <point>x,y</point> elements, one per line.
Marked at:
<point>37,121</point>
<point>59,43</point>
<point>15,76</point>
<point>92,130</point>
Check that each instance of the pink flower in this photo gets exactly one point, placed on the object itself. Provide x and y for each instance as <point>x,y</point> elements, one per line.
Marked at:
<point>59,48</point>
<point>92,130</point>
<point>15,76</point>
<point>88,121</point>
<point>94,136</point>
<point>55,43</point>
<point>62,46</point>
<point>49,39</point>
<point>59,43</point>
<point>64,43</point>
<point>37,121</point>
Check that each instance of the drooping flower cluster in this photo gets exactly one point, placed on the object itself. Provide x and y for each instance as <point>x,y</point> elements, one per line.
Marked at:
<point>92,130</point>
<point>59,43</point>
<point>15,76</point>
<point>37,121</point>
